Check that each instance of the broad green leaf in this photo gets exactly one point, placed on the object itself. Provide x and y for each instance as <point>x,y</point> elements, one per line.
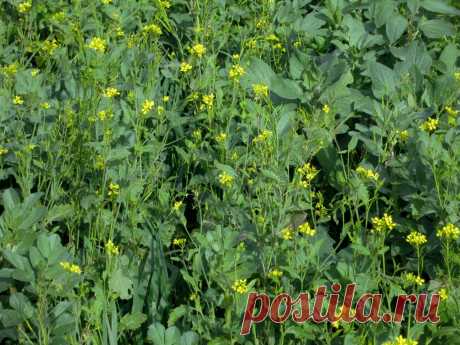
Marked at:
<point>383,79</point>
<point>439,6</point>
<point>437,28</point>
<point>285,88</point>
<point>121,284</point>
<point>189,338</point>
<point>132,321</point>
<point>396,27</point>
<point>156,334</point>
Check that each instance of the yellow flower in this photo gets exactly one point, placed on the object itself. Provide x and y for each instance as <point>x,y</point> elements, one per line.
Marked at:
<point>404,135</point>
<point>70,267</point>
<point>430,125</point>
<point>400,340</point>
<point>165,99</point>
<point>306,229</point>
<point>367,173</point>
<point>236,72</point>
<point>3,151</point>
<point>111,92</point>
<point>98,44</point>
<point>225,179</point>
<point>180,242</point>
<point>298,43</point>
<point>25,6</point>
<point>416,238</point>
<point>208,100</point>
<point>160,109</point>
<point>111,248</point>
<point>326,109</point>
<point>251,44</point>
<point>45,105</point>
<point>449,232</point>
<point>196,134</point>
<point>221,137</point>
<point>198,49</point>
<point>104,114</point>
<point>236,56</point>
<point>443,294</point>
<point>240,286</point>
<point>106,2</point>
<point>307,173</point>
<point>165,4</point>
<point>457,75</point>
<point>100,162</point>
<point>272,38</point>
<point>34,72</point>
<point>380,225</point>
<point>49,46</point>
<point>451,111</point>
<point>275,274</point>
<point>147,106</point>
<point>10,69</point>
<point>261,23</point>
<point>413,279</point>
<point>287,233</point>
<point>260,90</point>
<point>119,32</point>
<point>177,205</point>
<point>17,100</point>
<point>185,67</point>
<point>152,29</point>
<point>266,134</point>
<point>114,189</point>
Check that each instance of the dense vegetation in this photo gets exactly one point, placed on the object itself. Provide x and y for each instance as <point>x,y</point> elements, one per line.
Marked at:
<point>160,159</point>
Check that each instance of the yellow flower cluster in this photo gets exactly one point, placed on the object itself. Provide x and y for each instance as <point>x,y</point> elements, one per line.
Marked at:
<point>104,114</point>
<point>451,111</point>
<point>198,50</point>
<point>147,106</point>
<point>307,173</point>
<point>413,279</point>
<point>114,189</point>
<point>185,67</point>
<point>449,232</point>
<point>98,44</point>
<point>225,179</point>
<point>152,29</point>
<point>443,294</point>
<point>111,248</point>
<point>45,105</point>
<point>416,238</point>
<point>260,90</point>
<point>326,109</point>
<point>177,205</point>
<point>367,173</point>
<point>430,125</point>
<point>106,2</point>
<point>3,151</point>
<point>403,135</point>
<point>266,134</point>
<point>100,162</point>
<point>287,233</point>
<point>380,225</point>
<point>208,101</point>
<point>49,46</point>
<point>236,72</point>
<point>180,242</point>
<point>275,274</point>
<point>400,340</point>
<point>457,75</point>
<point>70,267</point>
<point>240,286</point>
<point>306,229</point>
<point>10,69</point>
<point>165,4</point>
<point>221,137</point>
<point>25,6</point>
<point>17,100</point>
<point>111,92</point>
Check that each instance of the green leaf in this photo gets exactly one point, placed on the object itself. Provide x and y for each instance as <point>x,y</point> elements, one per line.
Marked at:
<point>396,27</point>
<point>132,321</point>
<point>285,88</point>
<point>309,24</point>
<point>20,303</point>
<point>439,6</point>
<point>59,212</point>
<point>258,72</point>
<point>121,284</point>
<point>437,28</point>
<point>172,336</point>
<point>156,334</point>
<point>176,314</point>
<point>10,199</point>
<point>189,338</point>
<point>383,79</point>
